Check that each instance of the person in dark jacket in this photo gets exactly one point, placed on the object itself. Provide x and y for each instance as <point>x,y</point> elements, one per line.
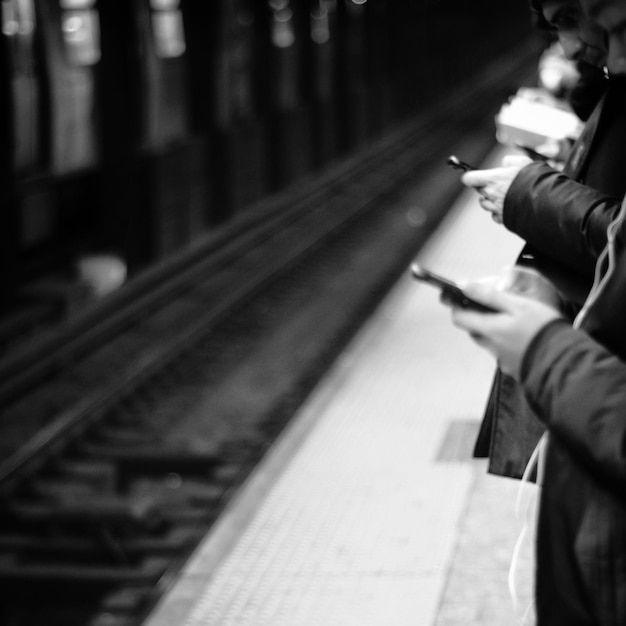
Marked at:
<point>577,45</point>
<point>574,378</point>
<point>538,203</point>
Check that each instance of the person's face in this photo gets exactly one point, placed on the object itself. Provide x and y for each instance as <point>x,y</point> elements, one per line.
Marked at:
<point>580,38</point>
<point>611,16</point>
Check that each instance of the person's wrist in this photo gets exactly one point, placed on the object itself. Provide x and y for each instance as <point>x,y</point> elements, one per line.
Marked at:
<point>548,328</point>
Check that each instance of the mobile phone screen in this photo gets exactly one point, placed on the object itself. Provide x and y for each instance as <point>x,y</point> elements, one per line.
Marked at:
<point>450,289</point>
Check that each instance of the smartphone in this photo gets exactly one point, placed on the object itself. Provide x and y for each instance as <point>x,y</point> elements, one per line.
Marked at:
<point>457,164</point>
<point>533,154</point>
<point>451,290</point>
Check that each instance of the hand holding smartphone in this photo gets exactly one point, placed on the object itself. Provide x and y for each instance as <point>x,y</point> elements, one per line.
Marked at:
<point>451,290</point>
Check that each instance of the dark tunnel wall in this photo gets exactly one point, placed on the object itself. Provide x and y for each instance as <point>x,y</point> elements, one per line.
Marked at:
<point>136,126</point>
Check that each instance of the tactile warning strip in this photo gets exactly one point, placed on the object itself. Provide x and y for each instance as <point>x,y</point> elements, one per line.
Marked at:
<point>352,519</point>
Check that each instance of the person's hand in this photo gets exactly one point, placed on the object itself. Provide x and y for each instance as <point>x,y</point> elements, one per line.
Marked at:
<point>493,184</point>
<point>507,334</point>
<point>527,281</point>
<point>556,150</point>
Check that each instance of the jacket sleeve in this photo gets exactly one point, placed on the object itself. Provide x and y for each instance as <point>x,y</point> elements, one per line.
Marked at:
<point>560,217</point>
<point>578,389</point>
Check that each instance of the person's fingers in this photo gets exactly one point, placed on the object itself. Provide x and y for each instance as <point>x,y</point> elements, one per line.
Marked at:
<point>550,148</point>
<point>476,178</point>
<point>491,207</point>
<point>516,160</point>
<point>475,323</point>
<point>488,204</point>
<point>488,293</point>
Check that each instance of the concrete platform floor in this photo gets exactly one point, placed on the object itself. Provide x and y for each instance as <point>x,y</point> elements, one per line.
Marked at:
<point>369,510</point>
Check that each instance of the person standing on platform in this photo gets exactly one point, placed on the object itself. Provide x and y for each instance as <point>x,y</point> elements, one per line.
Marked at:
<point>562,216</point>
<point>574,378</point>
<point>577,75</point>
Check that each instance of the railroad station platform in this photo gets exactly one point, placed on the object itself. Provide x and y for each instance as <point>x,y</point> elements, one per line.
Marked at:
<point>370,510</point>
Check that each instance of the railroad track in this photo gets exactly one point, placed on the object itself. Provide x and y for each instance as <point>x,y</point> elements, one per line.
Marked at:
<point>124,435</point>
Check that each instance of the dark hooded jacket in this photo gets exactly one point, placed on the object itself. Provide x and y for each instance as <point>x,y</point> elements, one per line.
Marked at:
<point>563,217</point>
<point>577,388</point>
